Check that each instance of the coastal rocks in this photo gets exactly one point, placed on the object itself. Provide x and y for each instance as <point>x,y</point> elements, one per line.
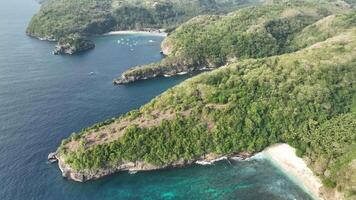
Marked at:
<point>243,155</point>
<point>125,79</point>
<point>48,38</point>
<point>152,71</point>
<point>211,158</point>
<point>52,157</point>
<point>165,68</point>
<point>73,45</point>
<point>63,49</point>
<point>132,78</point>
<point>70,44</point>
<point>69,172</point>
<point>84,176</point>
<point>133,167</point>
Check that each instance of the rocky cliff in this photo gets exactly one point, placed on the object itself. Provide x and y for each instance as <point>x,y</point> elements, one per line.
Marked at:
<point>84,176</point>
<point>72,45</point>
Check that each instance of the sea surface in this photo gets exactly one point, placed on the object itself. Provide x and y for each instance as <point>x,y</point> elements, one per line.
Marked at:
<point>44,98</point>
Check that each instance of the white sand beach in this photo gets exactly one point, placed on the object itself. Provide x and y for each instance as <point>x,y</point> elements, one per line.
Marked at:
<point>284,156</point>
<point>154,32</point>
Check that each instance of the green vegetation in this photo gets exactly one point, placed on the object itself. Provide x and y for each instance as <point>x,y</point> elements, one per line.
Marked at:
<point>147,145</point>
<point>59,18</point>
<point>294,83</point>
<point>72,45</point>
<point>300,98</point>
<point>252,32</point>
<point>332,150</point>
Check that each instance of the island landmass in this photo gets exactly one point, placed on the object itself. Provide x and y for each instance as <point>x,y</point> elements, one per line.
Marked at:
<point>284,72</point>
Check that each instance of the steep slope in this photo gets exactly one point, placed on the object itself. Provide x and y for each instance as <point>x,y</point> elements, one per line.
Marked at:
<point>242,107</point>
<point>208,42</point>
<point>331,152</point>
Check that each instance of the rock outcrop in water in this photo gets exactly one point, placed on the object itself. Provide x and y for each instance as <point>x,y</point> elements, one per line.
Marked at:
<point>72,45</point>
<point>52,157</point>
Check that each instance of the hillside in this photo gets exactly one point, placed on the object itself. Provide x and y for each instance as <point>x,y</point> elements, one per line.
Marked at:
<point>60,18</point>
<point>211,41</point>
<point>306,98</point>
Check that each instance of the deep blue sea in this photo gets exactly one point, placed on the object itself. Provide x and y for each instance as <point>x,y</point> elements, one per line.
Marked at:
<point>44,98</point>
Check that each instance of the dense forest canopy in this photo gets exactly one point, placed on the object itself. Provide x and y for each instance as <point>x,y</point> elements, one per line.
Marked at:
<point>288,75</point>
<point>302,93</point>
<point>59,18</point>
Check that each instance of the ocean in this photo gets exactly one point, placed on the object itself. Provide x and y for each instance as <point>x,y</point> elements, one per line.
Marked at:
<point>44,98</point>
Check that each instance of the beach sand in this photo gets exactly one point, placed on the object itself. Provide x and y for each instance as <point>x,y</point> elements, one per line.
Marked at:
<point>285,158</point>
<point>156,33</point>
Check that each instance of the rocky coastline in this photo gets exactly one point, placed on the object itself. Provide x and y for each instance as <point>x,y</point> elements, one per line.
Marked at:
<point>125,79</point>
<point>72,46</point>
<point>70,174</point>
<point>49,38</point>
<point>136,74</point>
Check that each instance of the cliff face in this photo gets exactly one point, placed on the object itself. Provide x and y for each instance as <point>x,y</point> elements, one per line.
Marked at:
<point>69,49</point>
<point>137,166</point>
<point>72,45</point>
<point>131,76</point>
<point>71,174</point>
<point>155,70</point>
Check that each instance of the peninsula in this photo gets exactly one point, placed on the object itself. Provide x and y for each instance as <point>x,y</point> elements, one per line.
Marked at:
<point>284,72</point>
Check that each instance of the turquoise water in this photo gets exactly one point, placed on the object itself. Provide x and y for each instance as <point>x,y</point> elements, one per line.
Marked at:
<point>44,98</point>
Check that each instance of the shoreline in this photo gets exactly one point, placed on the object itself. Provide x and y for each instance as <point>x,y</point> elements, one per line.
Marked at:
<point>283,156</point>
<point>137,166</point>
<point>153,32</point>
